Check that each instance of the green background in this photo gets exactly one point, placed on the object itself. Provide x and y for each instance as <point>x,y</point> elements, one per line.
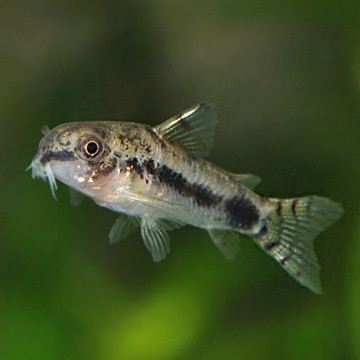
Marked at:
<point>285,77</point>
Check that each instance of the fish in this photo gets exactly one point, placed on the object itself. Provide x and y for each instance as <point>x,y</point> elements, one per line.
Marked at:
<point>157,179</point>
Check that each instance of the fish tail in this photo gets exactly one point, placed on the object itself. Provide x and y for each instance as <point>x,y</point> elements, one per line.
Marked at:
<point>288,233</point>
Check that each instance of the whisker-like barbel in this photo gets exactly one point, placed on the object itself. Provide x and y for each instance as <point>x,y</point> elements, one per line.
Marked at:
<point>52,181</point>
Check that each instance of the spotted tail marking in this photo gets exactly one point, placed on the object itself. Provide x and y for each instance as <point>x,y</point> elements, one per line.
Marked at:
<point>288,233</point>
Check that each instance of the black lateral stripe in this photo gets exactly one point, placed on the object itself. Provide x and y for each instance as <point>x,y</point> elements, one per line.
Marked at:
<point>61,155</point>
<point>279,208</point>
<point>202,195</point>
<point>241,212</point>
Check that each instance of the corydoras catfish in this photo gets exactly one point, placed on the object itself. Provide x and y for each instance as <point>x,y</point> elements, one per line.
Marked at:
<point>157,180</point>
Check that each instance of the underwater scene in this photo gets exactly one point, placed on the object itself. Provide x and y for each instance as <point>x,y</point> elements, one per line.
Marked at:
<point>278,85</point>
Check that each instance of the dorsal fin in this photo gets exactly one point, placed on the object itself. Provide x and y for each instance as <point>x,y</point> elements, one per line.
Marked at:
<point>249,180</point>
<point>193,128</point>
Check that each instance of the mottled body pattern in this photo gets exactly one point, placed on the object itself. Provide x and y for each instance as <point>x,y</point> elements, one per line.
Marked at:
<point>155,178</point>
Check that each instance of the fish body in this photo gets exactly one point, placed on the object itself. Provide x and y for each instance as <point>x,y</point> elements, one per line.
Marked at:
<point>157,179</point>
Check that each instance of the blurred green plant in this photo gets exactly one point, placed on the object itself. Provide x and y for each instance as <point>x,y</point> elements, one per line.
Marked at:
<point>353,305</point>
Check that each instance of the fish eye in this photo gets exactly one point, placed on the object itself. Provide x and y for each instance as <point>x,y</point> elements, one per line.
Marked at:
<point>92,148</point>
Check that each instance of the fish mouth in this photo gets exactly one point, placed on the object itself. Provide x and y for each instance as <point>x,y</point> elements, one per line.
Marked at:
<point>43,172</point>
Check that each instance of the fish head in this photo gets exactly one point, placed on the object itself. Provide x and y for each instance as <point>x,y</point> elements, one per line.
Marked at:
<point>77,154</point>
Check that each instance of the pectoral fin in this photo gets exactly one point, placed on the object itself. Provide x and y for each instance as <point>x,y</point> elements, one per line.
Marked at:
<point>227,241</point>
<point>76,198</point>
<point>123,227</point>
<point>155,238</point>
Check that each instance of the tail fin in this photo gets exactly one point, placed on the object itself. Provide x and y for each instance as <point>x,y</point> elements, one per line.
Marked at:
<point>288,233</point>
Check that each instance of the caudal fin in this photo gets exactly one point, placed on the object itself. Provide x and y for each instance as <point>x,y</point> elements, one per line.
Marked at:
<point>289,231</point>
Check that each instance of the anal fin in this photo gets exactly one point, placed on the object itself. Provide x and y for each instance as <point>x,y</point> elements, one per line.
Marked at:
<point>227,241</point>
